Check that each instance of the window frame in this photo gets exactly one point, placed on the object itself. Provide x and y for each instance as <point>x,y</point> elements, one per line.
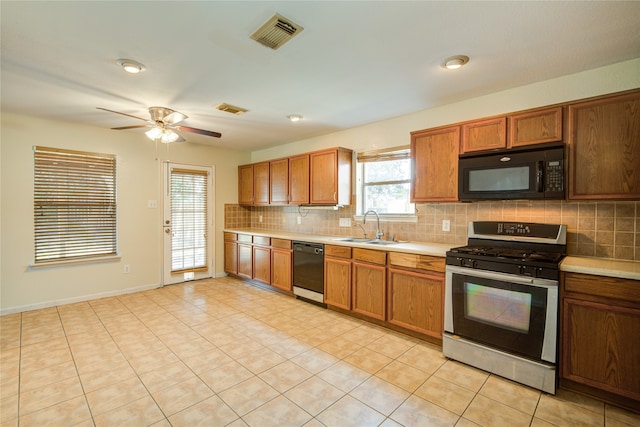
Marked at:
<point>388,154</point>
<point>74,223</point>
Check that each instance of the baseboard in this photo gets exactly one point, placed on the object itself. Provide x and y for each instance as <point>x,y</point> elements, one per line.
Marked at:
<point>64,301</point>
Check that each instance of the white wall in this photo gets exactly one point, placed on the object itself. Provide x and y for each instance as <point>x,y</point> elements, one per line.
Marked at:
<point>139,228</point>
<point>394,132</point>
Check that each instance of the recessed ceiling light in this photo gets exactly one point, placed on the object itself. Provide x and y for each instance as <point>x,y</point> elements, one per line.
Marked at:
<point>130,66</point>
<point>294,117</point>
<point>455,62</point>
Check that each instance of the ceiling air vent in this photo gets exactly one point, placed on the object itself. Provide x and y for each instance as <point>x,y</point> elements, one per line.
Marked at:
<point>276,32</point>
<point>227,108</point>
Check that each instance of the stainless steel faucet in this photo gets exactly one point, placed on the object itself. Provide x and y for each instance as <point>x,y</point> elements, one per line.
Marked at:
<point>379,233</point>
<point>364,232</point>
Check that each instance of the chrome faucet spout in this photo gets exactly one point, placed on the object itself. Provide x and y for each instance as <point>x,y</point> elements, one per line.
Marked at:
<point>379,233</point>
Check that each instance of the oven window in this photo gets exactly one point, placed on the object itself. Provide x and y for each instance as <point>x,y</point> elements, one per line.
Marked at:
<point>501,179</point>
<point>498,307</point>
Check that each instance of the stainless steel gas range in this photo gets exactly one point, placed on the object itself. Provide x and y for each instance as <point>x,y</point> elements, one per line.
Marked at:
<point>501,300</point>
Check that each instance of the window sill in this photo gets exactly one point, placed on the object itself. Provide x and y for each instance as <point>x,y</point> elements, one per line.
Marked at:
<point>94,260</point>
<point>390,218</point>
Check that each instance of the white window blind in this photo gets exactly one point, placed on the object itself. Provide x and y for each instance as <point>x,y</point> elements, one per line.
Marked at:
<point>74,205</point>
<point>188,220</point>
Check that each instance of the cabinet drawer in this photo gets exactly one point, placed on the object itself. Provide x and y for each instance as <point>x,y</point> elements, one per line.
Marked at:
<point>337,251</point>
<point>368,255</point>
<point>230,236</point>
<point>602,286</point>
<point>281,243</point>
<point>420,262</point>
<point>262,241</point>
<point>245,238</point>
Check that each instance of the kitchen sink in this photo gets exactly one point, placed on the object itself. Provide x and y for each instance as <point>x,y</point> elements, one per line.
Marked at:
<point>365,241</point>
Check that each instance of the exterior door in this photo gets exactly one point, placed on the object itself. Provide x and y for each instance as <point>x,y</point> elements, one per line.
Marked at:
<point>187,223</point>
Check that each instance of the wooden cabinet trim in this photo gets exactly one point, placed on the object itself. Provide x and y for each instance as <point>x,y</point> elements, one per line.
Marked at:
<point>337,251</point>
<point>608,287</point>
<point>261,240</point>
<point>281,243</point>
<point>232,237</point>
<point>245,238</point>
<point>416,261</point>
<point>370,255</point>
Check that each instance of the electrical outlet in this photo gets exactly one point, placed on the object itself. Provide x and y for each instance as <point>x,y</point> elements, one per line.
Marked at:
<point>126,269</point>
<point>299,220</point>
<point>446,225</point>
<point>152,204</point>
<point>345,222</point>
<point>260,218</point>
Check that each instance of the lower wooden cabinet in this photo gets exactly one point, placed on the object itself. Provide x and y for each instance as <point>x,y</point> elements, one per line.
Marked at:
<point>599,351</point>
<point>230,253</point>
<point>262,264</point>
<point>369,290</point>
<point>281,268</point>
<point>337,276</point>
<point>415,301</point>
<point>245,260</point>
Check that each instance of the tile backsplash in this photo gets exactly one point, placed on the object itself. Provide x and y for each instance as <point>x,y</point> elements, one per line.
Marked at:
<point>595,229</point>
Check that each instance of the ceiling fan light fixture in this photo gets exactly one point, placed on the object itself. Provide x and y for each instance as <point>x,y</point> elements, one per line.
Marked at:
<point>455,62</point>
<point>130,66</point>
<point>154,133</point>
<point>169,136</point>
<point>294,117</point>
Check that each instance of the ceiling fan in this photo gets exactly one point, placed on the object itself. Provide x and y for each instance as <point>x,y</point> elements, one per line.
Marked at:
<point>162,123</point>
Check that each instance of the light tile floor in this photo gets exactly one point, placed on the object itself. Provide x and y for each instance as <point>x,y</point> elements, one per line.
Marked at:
<point>222,352</point>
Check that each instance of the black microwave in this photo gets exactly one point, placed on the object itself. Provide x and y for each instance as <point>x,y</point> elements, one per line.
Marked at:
<point>536,172</point>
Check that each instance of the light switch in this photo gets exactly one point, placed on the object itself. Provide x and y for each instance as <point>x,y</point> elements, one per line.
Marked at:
<point>152,204</point>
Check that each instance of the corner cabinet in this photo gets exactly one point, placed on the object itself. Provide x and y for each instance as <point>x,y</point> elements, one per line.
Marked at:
<point>600,326</point>
<point>604,148</point>
<point>434,164</point>
<point>330,176</point>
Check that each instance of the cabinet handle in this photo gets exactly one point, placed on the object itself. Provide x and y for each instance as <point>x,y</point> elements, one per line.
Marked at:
<point>334,196</point>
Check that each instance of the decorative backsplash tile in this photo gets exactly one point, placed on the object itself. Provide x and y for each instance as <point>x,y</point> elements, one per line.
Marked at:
<point>595,229</point>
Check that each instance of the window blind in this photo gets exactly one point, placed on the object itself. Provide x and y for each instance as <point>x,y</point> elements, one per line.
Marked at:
<point>189,219</point>
<point>74,204</point>
<point>393,153</point>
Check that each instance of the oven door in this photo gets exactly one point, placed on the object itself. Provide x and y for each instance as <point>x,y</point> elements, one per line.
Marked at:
<point>516,314</point>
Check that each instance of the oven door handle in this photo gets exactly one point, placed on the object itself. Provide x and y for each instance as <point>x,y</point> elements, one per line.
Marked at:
<point>542,283</point>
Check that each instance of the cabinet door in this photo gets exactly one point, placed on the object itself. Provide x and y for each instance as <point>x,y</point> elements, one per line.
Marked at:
<point>484,135</point>
<point>600,346</point>
<point>299,180</point>
<point>281,270</point>
<point>434,158</point>
<point>535,127</point>
<point>245,260</point>
<point>415,301</point>
<point>262,264</point>
<point>324,177</point>
<point>261,183</point>
<point>604,148</point>
<point>245,184</point>
<point>279,182</point>
<point>337,282</point>
<point>369,290</point>
<point>231,257</point>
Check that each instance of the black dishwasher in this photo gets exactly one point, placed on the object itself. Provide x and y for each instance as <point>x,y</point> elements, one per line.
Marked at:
<point>308,271</point>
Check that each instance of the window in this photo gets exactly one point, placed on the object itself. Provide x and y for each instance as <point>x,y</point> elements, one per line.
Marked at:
<point>189,201</point>
<point>74,205</point>
<point>385,181</point>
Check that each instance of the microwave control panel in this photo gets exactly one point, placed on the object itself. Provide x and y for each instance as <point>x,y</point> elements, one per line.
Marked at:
<point>554,181</point>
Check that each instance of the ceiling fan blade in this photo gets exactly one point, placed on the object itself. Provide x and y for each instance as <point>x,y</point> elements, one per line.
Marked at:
<point>174,117</point>
<point>123,114</point>
<point>199,131</point>
<point>130,127</point>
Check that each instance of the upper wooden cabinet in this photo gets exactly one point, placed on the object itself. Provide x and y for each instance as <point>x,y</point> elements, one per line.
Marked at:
<point>434,158</point>
<point>604,148</point>
<point>535,127</point>
<point>330,178</point>
<point>245,184</point>
<point>299,180</point>
<point>484,134</point>
<point>261,183</point>
<point>279,182</point>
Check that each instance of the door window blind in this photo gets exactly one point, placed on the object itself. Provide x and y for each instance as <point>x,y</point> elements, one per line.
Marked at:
<point>74,205</point>
<point>189,201</point>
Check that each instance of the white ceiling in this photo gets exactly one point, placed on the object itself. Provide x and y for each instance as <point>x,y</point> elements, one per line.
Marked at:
<point>355,62</point>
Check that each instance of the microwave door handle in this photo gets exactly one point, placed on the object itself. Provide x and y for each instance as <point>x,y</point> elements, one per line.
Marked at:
<point>539,177</point>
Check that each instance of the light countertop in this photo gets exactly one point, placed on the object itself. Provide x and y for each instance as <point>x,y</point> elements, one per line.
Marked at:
<point>574,264</point>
